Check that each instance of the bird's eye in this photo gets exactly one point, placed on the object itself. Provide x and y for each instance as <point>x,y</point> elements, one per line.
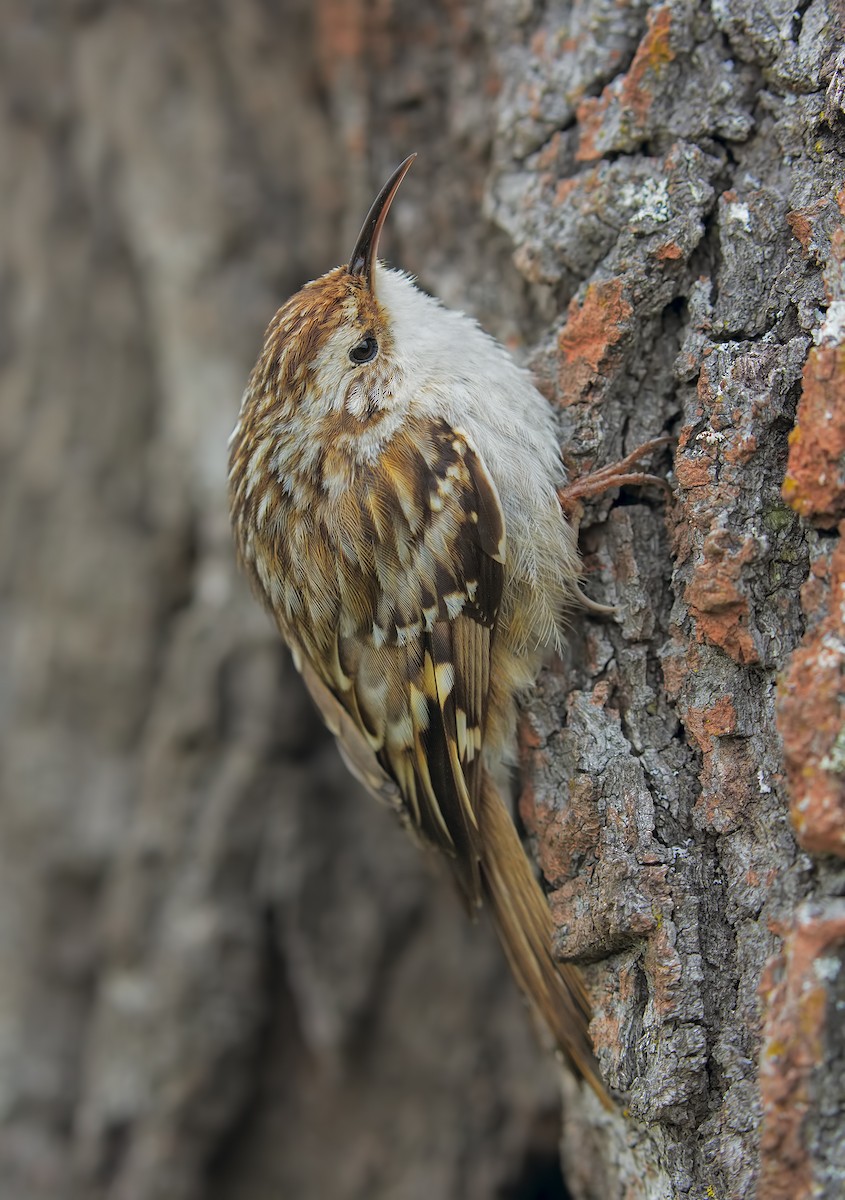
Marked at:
<point>365,350</point>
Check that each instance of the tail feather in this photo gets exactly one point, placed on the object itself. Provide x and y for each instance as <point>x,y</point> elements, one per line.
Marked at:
<point>555,990</point>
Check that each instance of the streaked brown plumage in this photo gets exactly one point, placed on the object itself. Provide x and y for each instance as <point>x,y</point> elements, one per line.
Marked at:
<point>394,484</point>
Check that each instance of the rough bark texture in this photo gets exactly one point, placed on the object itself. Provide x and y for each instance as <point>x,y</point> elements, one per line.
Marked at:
<point>223,974</point>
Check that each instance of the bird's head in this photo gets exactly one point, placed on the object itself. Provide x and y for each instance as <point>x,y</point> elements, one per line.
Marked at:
<point>330,351</point>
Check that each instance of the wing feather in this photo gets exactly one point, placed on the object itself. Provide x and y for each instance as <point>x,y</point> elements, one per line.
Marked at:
<point>408,658</point>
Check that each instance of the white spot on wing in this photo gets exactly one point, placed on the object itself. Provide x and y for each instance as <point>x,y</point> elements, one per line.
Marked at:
<point>419,707</point>
<point>444,673</point>
<point>408,633</point>
<point>454,602</point>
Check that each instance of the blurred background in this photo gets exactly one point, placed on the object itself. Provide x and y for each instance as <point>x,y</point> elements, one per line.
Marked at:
<point>223,972</point>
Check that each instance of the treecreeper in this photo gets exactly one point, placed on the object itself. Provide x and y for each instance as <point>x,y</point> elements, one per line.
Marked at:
<point>398,501</point>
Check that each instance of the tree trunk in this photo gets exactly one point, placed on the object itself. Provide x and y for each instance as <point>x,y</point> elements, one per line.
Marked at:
<point>224,975</point>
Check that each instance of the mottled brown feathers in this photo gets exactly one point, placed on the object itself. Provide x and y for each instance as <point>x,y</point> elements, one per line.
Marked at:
<point>397,513</point>
<point>391,593</point>
<point>301,328</point>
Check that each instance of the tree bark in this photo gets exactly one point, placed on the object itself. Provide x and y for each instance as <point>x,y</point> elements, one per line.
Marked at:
<point>223,972</point>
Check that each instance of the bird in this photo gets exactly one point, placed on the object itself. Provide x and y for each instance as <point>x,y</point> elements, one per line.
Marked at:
<point>399,503</point>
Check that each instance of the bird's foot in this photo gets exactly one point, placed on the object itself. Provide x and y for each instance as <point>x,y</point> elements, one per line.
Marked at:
<point>618,474</point>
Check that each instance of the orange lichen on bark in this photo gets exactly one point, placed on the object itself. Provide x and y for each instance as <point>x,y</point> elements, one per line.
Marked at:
<point>635,93</point>
<point>664,967</point>
<point>728,776</point>
<point>706,724</point>
<point>801,227</point>
<point>741,451</point>
<point>796,1001</point>
<point>587,341</point>
<point>683,660</point>
<point>590,114</point>
<point>566,187</point>
<point>815,475</point>
<point>716,603</point>
<point>811,714</point>
<point>693,472</point>
<point>803,222</point>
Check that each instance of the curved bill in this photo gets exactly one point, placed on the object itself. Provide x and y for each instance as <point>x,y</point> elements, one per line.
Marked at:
<point>364,255</point>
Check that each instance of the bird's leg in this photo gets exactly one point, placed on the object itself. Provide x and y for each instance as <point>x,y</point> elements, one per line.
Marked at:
<point>615,475</point>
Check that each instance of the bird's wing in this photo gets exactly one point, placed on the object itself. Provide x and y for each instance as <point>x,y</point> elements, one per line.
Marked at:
<point>420,539</point>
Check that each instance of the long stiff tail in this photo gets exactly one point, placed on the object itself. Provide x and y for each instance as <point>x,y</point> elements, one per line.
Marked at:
<point>555,990</point>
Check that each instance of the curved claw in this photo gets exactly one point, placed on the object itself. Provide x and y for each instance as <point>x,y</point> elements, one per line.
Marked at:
<point>614,475</point>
